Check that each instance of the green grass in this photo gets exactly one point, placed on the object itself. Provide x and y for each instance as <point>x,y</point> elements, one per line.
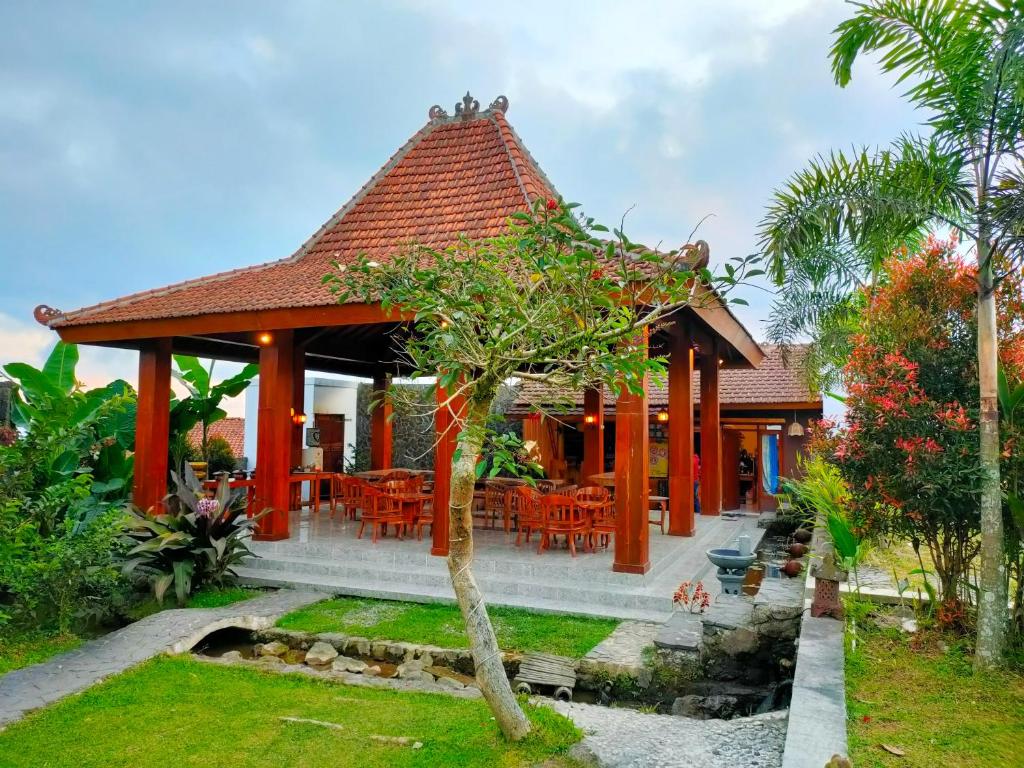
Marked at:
<point>207,597</point>
<point>21,649</point>
<point>922,697</point>
<point>440,624</point>
<point>181,712</point>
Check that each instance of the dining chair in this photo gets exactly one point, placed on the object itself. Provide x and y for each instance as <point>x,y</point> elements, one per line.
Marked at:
<point>529,515</point>
<point>598,502</point>
<point>351,494</point>
<point>381,510</point>
<point>563,516</point>
<point>494,501</point>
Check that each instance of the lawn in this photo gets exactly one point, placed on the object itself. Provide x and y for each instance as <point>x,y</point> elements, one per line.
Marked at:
<point>23,648</point>
<point>20,649</point>
<point>441,624</point>
<point>922,697</point>
<point>181,712</point>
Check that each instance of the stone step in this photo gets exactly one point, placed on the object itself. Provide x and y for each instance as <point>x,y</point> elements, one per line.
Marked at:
<point>414,592</point>
<point>436,579</point>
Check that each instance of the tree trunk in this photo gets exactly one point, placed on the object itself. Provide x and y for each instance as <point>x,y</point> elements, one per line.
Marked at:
<point>993,613</point>
<point>490,672</point>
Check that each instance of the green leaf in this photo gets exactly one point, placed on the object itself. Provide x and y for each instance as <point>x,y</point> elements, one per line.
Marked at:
<point>192,372</point>
<point>33,382</point>
<point>59,367</point>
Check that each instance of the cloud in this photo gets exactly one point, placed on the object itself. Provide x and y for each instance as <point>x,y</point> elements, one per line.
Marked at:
<point>31,343</point>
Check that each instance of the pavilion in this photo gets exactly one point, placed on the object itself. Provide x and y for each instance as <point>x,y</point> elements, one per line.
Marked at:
<point>461,173</point>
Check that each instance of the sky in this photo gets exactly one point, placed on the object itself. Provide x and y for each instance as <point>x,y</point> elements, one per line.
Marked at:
<point>142,143</point>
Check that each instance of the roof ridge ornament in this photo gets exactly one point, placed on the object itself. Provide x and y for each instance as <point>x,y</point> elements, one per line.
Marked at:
<point>44,314</point>
<point>468,108</point>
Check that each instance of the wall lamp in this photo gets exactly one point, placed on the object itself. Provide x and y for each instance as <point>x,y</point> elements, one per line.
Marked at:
<point>264,339</point>
<point>662,416</point>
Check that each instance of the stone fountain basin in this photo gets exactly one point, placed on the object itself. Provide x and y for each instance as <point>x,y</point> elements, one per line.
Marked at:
<point>730,559</point>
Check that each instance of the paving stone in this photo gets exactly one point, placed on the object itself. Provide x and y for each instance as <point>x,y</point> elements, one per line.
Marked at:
<point>171,631</point>
<point>622,652</point>
<point>683,632</point>
<point>624,738</point>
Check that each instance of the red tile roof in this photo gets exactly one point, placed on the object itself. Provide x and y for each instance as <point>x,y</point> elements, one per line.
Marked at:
<point>464,174</point>
<point>774,383</point>
<point>231,429</point>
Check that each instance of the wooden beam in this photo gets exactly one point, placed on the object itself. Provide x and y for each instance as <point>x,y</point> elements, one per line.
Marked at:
<point>273,434</point>
<point>380,424</point>
<point>230,322</point>
<point>681,521</point>
<point>152,424</point>
<point>710,433</point>
<point>593,433</point>
<point>445,440</point>
<point>631,480</point>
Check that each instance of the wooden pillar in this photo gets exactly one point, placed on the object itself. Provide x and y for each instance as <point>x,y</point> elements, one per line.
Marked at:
<point>710,431</point>
<point>593,433</point>
<point>152,425</point>
<point>298,403</point>
<point>380,424</point>
<point>631,480</point>
<point>274,433</point>
<point>445,440</point>
<point>680,433</point>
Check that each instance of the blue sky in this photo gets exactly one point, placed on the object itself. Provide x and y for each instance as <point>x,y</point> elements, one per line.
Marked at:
<point>144,143</point>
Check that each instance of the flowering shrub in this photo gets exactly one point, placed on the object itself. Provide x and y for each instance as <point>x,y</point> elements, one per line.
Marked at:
<point>910,445</point>
<point>696,601</point>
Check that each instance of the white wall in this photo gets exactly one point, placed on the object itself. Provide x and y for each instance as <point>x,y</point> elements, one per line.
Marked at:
<point>321,395</point>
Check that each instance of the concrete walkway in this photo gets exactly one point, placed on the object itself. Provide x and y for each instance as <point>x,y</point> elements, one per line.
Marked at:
<point>171,631</point>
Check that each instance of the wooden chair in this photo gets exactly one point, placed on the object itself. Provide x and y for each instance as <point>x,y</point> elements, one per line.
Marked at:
<point>351,494</point>
<point>426,517</point>
<point>562,516</point>
<point>526,508</point>
<point>657,515</point>
<point>598,502</point>
<point>495,492</point>
<point>397,474</point>
<point>381,510</point>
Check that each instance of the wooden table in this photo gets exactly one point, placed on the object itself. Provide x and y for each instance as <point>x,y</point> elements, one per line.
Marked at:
<point>604,479</point>
<point>376,475</point>
<point>315,480</point>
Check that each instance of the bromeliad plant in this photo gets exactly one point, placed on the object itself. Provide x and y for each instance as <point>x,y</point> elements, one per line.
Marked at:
<point>197,541</point>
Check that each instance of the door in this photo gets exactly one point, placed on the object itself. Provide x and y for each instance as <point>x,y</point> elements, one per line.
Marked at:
<point>730,469</point>
<point>332,439</point>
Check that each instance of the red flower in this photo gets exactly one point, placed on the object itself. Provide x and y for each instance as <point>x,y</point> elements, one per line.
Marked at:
<point>552,204</point>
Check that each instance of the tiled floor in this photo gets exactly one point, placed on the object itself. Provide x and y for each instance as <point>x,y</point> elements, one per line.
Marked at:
<point>324,553</point>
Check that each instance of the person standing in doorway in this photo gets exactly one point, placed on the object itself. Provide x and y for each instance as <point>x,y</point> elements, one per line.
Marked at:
<point>696,482</point>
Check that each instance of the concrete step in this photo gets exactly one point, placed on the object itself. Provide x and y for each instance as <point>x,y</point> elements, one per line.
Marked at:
<point>413,592</point>
<point>435,579</point>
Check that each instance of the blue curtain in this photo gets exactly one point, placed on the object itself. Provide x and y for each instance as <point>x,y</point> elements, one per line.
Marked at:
<point>770,463</point>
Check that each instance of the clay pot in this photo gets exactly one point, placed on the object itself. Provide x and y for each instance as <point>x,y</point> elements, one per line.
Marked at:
<point>796,549</point>
<point>792,568</point>
<point>803,535</point>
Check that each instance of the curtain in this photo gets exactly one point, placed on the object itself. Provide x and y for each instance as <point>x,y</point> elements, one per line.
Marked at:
<point>770,463</point>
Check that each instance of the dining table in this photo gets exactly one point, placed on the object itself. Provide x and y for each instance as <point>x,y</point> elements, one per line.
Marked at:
<point>376,475</point>
<point>604,479</point>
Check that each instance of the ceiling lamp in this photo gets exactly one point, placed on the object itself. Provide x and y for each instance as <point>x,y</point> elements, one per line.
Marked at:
<point>796,429</point>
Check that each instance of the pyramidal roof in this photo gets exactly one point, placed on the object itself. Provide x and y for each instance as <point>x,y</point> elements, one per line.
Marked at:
<point>461,174</point>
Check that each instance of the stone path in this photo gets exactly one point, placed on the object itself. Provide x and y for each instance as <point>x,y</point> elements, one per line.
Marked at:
<point>171,631</point>
<point>623,738</point>
<point>622,652</point>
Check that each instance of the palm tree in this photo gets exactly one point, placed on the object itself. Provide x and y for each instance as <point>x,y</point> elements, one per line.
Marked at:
<point>828,230</point>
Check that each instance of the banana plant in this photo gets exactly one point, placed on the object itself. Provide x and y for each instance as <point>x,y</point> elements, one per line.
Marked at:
<point>68,431</point>
<point>202,406</point>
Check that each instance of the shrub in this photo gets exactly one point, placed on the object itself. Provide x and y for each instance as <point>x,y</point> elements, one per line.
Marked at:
<point>219,455</point>
<point>910,449</point>
<point>196,541</point>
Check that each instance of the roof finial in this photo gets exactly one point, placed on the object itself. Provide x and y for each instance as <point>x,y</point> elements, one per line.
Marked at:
<point>468,107</point>
<point>44,314</point>
<point>500,104</point>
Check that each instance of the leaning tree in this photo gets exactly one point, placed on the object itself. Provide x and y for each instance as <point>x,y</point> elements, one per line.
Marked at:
<point>829,229</point>
<point>552,300</point>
